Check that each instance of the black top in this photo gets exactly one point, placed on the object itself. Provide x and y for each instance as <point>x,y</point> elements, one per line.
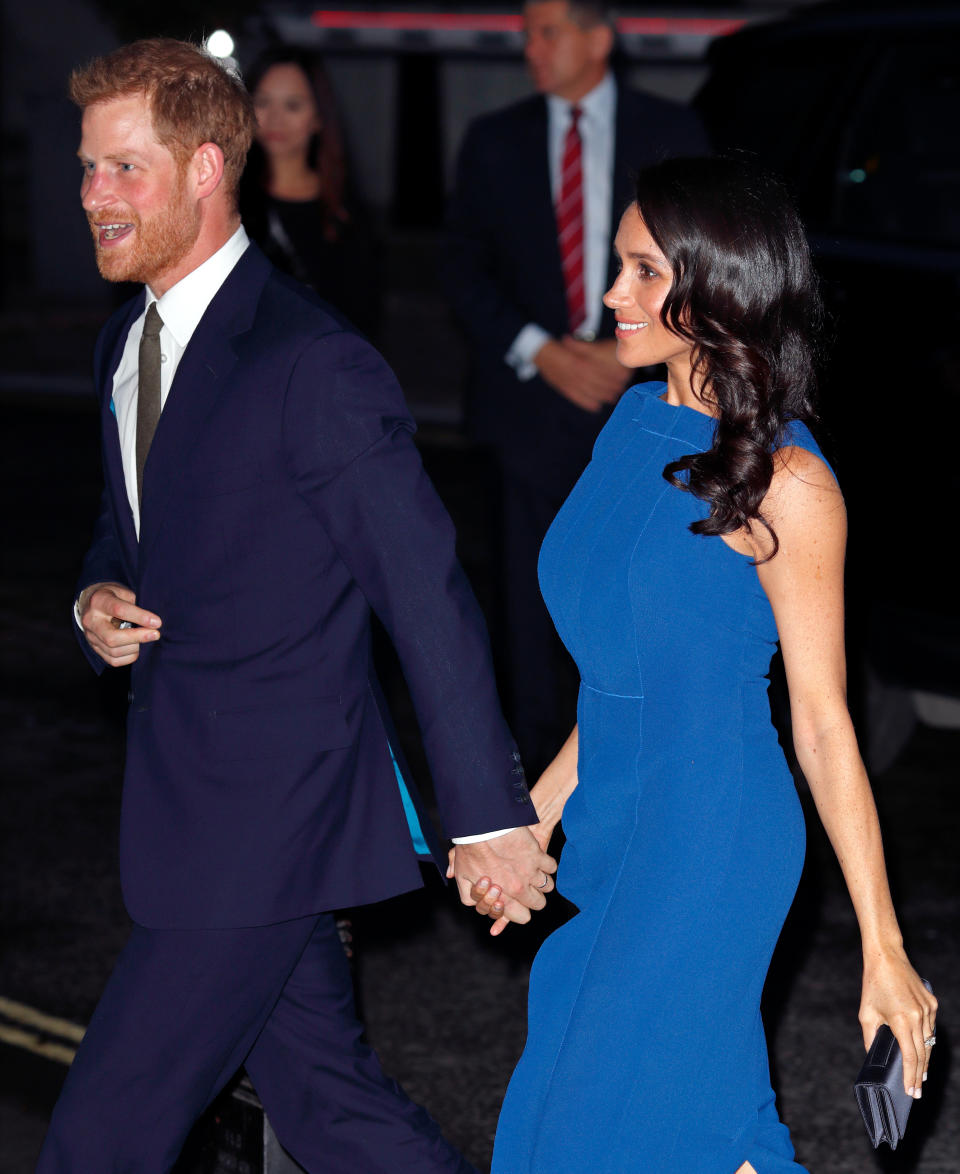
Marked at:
<point>342,266</point>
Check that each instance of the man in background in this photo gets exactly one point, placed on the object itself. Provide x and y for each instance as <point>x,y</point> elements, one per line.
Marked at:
<point>540,187</point>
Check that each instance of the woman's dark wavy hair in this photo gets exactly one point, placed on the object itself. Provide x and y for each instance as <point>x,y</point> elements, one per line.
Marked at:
<point>326,155</point>
<point>745,294</point>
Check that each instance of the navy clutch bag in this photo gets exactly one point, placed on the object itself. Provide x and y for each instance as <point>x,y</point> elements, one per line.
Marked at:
<point>879,1090</point>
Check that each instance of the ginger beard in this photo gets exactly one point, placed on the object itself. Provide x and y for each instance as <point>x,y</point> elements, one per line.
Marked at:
<point>152,246</point>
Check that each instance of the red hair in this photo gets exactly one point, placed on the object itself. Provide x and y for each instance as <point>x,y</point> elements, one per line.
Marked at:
<point>193,99</point>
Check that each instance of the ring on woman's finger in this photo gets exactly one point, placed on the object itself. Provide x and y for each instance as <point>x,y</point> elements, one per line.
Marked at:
<point>546,881</point>
<point>929,1041</point>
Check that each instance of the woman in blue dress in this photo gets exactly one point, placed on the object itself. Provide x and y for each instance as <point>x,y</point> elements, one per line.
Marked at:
<point>707,527</point>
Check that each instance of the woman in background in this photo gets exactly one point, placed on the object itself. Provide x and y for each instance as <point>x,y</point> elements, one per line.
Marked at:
<point>295,197</point>
<point>706,527</point>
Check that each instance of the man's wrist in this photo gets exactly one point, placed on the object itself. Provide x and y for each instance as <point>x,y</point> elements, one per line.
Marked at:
<point>524,349</point>
<point>478,839</point>
<point>80,603</point>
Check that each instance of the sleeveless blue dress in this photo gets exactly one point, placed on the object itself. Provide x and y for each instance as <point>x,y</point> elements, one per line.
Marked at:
<point>684,837</point>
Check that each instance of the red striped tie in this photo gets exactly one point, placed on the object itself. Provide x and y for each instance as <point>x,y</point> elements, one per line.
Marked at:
<point>570,223</point>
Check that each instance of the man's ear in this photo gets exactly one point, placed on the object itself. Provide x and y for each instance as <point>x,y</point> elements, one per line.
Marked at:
<point>601,41</point>
<point>207,166</point>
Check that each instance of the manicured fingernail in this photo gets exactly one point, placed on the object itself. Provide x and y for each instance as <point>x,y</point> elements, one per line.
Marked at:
<point>911,1091</point>
<point>917,1095</point>
<point>924,1076</point>
<point>498,909</point>
<point>483,885</point>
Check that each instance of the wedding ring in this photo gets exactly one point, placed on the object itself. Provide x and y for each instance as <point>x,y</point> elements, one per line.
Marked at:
<point>546,881</point>
<point>929,1041</point>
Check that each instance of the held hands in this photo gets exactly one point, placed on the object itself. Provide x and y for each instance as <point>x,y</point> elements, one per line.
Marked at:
<point>103,608</point>
<point>523,870</point>
<point>548,794</point>
<point>893,994</point>
<point>586,373</point>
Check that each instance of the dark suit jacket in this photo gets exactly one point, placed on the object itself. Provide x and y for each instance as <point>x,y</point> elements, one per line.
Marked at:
<point>283,498</point>
<point>502,270</point>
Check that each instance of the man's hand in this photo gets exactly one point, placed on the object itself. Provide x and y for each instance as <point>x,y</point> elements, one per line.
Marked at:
<point>104,608</point>
<point>523,871</point>
<point>586,373</point>
<point>488,896</point>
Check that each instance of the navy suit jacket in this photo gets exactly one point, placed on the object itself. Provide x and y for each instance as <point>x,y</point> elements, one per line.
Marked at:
<point>502,269</point>
<point>283,498</point>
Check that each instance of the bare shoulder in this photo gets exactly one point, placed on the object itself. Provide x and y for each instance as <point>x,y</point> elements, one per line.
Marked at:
<point>805,507</point>
<point>802,489</point>
<point>803,578</point>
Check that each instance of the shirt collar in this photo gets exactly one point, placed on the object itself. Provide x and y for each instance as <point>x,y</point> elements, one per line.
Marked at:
<point>184,304</point>
<point>597,105</point>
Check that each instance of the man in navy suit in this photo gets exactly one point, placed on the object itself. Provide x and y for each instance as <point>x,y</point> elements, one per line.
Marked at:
<point>542,386</point>
<point>262,494</point>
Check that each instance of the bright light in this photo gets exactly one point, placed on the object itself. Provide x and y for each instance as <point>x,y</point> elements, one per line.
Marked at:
<point>220,43</point>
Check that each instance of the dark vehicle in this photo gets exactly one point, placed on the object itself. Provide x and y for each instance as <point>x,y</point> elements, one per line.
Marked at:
<point>858,108</point>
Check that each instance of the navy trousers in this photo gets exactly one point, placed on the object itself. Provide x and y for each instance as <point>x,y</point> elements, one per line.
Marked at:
<point>184,1009</point>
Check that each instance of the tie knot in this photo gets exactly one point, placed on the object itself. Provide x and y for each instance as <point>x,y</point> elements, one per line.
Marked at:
<point>575,112</point>
<point>153,323</point>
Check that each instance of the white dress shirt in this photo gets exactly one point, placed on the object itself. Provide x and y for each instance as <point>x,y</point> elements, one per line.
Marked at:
<point>597,128</point>
<point>181,308</point>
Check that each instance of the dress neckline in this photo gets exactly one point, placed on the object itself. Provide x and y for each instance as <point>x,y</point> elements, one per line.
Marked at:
<point>678,420</point>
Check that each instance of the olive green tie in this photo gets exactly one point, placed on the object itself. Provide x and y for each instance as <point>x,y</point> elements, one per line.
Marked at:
<point>148,390</point>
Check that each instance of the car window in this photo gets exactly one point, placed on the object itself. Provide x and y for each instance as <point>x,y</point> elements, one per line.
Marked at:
<point>899,174</point>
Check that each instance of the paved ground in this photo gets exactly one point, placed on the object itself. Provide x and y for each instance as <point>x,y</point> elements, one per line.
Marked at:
<point>444,1004</point>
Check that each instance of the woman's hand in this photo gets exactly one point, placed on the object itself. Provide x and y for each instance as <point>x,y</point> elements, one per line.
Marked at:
<point>489,901</point>
<point>488,897</point>
<point>894,994</point>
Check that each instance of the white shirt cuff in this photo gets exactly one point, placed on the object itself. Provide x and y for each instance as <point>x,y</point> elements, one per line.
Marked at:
<point>524,348</point>
<point>482,836</point>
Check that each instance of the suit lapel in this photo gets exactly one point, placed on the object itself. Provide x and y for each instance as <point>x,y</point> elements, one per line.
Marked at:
<point>201,377</point>
<point>109,360</point>
<point>534,164</point>
<point>535,149</point>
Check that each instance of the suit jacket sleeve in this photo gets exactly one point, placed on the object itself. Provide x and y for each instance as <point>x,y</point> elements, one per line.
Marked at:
<point>102,563</point>
<point>470,268</point>
<point>348,442</point>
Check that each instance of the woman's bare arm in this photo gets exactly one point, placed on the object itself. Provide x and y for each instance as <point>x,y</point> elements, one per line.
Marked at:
<point>804,584</point>
<point>554,787</point>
